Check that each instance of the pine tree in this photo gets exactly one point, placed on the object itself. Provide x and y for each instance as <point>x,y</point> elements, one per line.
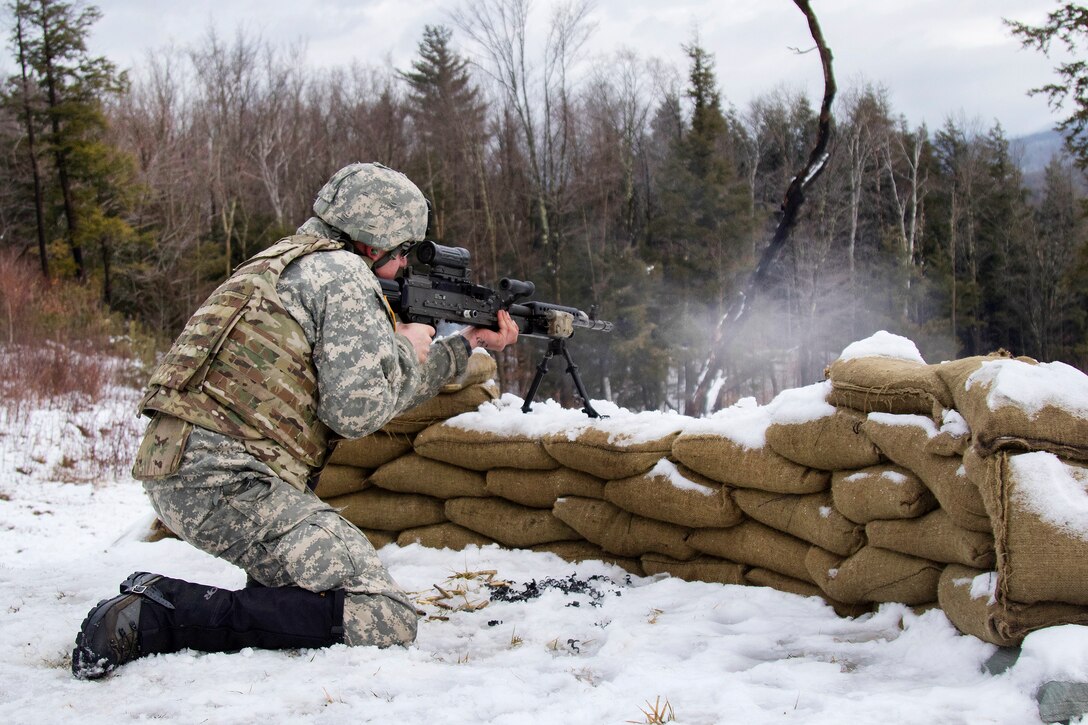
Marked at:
<point>1069,26</point>
<point>90,177</point>
<point>448,119</point>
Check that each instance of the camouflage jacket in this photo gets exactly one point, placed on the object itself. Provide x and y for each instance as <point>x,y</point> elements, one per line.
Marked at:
<point>295,348</point>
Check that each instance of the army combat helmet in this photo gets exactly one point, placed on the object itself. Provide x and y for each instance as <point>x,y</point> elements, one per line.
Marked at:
<point>374,205</point>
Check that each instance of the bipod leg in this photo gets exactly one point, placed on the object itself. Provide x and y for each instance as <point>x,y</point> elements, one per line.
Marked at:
<point>541,371</point>
<point>587,407</point>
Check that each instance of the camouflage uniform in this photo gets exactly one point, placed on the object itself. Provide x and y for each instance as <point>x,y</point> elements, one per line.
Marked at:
<point>225,496</point>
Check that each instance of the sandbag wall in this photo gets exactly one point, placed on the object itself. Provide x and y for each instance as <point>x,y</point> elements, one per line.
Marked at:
<point>960,485</point>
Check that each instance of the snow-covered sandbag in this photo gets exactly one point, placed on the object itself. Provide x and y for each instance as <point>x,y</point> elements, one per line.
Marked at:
<point>731,447</point>
<point>482,450</point>
<point>935,537</point>
<point>510,524</point>
<point>540,489</point>
<point>371,451</point>
<point>755,544</point>
<point>443,536</point>
<point>886,374</point>
<point>675,495</point>
<point>375,508</point>
<point>830,442</point>
<point>608,455</point>
<point>442,407</point>
<point>620,532</point>
<point>874,575</point>
<point>812,518</point>
<point>1039,507</point>
<point>335,480</point>
<point>902,438</point>
<point>966,595</point>
<point>880,492</point>
<point>414,473</point>
<point>701,568</point>
<point>1022,405</point>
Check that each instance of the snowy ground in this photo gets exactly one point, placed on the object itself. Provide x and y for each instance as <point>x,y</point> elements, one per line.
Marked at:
<point>714,653</point>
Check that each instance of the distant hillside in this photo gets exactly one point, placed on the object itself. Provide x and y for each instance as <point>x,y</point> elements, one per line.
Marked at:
<point>1034,152</point>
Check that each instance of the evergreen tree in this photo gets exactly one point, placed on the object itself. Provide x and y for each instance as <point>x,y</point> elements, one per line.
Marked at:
<point>1069,26</point>
<point>63,93</point>
<point>448,119</point>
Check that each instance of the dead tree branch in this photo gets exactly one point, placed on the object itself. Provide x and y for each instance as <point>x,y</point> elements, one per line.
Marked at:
<point>791,204</point>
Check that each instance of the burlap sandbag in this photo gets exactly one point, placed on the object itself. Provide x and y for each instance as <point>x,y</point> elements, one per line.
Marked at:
<point>620,532</point>
<point>728,461</point>
<point>371,451</point>
<point>337,480</point>
<point>1039,506</point>
<point>812,518</point>
<point>483,450</point>
<point>540,489</point>
<point>954,437</point>
<point>1021,405</point>
<point>480,369</point>
<point>443,536</point>
<point>415,474</point>
<point>874,575</point>
<point>766,578</point>
<point>831,443</point>
<point>579,551</point>
<point>675,495</point>
<point>442,407</point>
<point>606,455</point>
<point>508,523</point>
<point>375,508</point>
<point>970,605</point>
<point>378,539</point>
<point>754,544</point>
<point>902,438</point>
<point>888,385</point>
<point>935,537</point>
<point>700,569</point>
<point>880,492</point>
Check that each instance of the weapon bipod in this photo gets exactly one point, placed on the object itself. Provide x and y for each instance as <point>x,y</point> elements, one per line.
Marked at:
<point>559,345</point>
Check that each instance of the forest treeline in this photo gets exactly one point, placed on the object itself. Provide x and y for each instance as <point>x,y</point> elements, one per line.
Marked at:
<point>618,183</point>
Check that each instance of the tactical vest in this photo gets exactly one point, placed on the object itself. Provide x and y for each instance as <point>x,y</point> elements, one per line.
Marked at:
<point>242,367</point>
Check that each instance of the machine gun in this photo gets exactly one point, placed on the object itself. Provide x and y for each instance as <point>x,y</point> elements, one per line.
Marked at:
<point>445,293</point>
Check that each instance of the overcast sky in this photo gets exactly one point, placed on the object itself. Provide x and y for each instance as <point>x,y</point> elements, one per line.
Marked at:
<point>936,57</point>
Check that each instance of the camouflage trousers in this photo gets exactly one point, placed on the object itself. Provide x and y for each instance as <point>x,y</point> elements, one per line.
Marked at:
<point>282,536</point>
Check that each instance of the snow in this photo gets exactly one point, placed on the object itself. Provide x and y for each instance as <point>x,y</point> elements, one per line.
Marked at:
<point>715,653</point>
<point>954,424</point>
<point>802,405</point>
<point>906,419</point>
<point>883,344</point>
<point>667,470</point>
<point>984,586</point>
<point>1053,490</point>
<point>504,417</point>
<point>1055,653</point>
<point>1033,387</point>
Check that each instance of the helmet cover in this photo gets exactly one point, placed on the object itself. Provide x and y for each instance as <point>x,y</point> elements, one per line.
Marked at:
<point>374,205</point>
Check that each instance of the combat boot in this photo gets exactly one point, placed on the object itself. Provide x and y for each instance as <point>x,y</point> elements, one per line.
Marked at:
<point>157,615</point>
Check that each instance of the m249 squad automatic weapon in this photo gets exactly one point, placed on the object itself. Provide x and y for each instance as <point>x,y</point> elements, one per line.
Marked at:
<point>443,291</point>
